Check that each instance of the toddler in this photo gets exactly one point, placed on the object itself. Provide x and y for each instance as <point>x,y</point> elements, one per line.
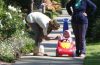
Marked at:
<point>66,36</point>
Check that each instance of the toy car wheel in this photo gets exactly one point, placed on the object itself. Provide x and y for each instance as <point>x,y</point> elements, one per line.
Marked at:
<point>57,54</point>
<point>74,54</point>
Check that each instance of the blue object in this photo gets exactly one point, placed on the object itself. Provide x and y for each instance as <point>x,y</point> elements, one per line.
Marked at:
<point>65,25</point>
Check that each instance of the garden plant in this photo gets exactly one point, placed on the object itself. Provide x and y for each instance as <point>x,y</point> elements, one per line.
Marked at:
<point>15,40</point>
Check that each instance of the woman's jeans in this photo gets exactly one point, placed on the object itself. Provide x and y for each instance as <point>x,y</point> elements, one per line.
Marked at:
<point>37,30</point>
<point>80,33</point>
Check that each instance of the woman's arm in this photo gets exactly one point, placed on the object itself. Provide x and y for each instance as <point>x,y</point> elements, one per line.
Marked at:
<point>51,38</point>
<point>93,7</point>
<point>68,5</point>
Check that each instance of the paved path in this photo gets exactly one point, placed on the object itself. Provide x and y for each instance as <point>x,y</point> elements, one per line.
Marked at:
<point>50,49</point>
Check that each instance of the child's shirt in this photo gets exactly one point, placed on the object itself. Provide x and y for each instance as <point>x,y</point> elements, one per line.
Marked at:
<point>65,39</point>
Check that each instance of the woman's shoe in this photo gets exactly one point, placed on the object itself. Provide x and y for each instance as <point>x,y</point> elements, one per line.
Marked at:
<point>82,55</point>
<point>38,54</point>
<point>45,54</point>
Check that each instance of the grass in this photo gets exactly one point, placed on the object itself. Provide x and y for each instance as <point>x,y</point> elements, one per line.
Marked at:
<point>92,54</point>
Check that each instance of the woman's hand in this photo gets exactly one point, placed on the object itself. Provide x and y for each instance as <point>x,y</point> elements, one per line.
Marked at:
<point>72,14</point>
<point>59,36</point>
<point>52,38</point>
<point>84,14</point>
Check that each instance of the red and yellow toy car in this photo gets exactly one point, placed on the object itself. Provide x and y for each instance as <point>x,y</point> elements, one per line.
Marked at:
<point>65,48</point>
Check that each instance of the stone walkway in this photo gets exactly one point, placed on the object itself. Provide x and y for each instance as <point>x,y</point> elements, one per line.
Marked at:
<point>50,49</point>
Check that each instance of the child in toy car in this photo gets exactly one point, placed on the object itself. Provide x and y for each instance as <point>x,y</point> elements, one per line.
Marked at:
<point>66,36</point>
<point>65,45</point>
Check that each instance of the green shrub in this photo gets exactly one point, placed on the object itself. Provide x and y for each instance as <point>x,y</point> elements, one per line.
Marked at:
<point>13,36</point>
<point>49,14</point>
<point>57,1</point>
<point>55,15</point>
<point>24,4</point>
<point>1,4</point>
<point>7,59</point>
<point>6,52</point>
<point>96,30</point>
<point>59,10</point>
<point>11,22</point>
<point>52,15</point>
<point>94,23</point>
<point>12,48</point>
<point>28,48</point>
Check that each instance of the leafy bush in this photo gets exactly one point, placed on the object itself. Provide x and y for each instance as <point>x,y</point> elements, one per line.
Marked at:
<point>49,14</point>
<point>13,37</point>
<point>1,4</point>
<point>11,22</point>
<point>96,30</point>
<point>6,53</point>
<point>93,32</point>
<point>57,1</point>
<point>23,3</point>
<point>13,47</point>
<point>59,10</point>
<point>28,48</point>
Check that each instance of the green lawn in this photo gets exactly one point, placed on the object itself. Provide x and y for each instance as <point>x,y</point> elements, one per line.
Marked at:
<point>92,54</point>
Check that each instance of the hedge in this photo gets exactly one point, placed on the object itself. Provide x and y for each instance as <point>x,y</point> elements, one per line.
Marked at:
<point>93,32</point>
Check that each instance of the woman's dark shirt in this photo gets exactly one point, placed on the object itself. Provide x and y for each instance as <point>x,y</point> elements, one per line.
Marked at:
<point>78,13</point>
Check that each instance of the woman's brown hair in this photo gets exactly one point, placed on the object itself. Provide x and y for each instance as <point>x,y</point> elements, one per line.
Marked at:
<point>54,24</point>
